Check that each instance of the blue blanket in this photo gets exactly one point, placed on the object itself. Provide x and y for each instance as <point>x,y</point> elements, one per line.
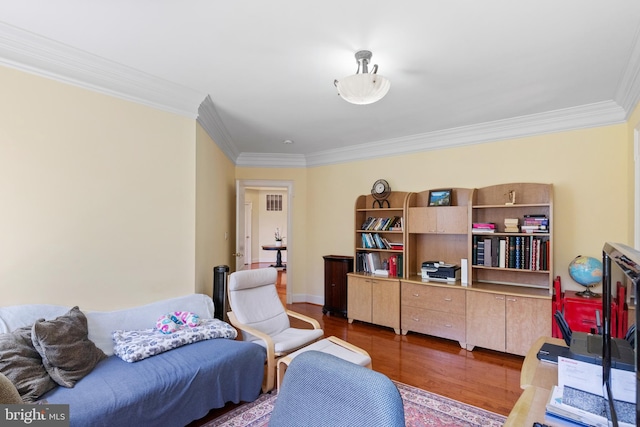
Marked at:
<point>169,389</point>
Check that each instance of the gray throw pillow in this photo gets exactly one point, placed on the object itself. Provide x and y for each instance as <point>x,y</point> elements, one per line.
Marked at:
<point>22,365</point>
<point>67,353</point>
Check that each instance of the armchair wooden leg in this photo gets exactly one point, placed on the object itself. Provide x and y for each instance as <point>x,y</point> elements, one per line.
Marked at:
<point>269,376</point>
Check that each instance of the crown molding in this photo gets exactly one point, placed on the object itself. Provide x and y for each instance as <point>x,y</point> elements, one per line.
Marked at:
<point>592,115</point>
<point>39,55</point>
<point>211,122</point>
<point>271,160</point>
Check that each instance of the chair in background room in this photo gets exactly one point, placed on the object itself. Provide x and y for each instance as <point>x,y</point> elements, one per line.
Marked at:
<point>323,390</point>
<point>257,311</point>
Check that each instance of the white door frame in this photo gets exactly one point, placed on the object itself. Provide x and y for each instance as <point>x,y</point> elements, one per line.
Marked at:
<point>241,185</point>
<point>248,257</point>
<point>636,190</point>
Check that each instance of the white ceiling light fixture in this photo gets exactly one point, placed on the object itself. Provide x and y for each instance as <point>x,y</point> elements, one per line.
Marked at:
<point>363,87</point>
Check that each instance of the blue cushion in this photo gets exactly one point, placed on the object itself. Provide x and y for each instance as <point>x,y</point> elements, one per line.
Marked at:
<point>320,389</point>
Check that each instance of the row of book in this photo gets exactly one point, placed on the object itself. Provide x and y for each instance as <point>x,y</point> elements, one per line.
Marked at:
<point>533,223</point>
<point>393,223</point>
<point>375,241</point>
<point>519,252</point>
<point>372,262</point>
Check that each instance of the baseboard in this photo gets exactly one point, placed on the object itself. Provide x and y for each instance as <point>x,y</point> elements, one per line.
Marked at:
<point>311,299</point>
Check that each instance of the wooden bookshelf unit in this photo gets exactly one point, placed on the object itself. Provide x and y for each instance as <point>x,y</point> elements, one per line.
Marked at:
<point>502,308</point>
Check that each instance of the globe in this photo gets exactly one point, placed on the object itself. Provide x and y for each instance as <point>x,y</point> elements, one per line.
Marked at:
<point>587,271</point>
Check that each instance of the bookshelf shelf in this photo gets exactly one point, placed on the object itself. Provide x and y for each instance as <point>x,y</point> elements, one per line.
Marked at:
<point>519,270</point>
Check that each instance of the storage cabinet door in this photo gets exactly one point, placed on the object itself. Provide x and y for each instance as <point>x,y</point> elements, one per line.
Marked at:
<point>453,219</point>
<point>422,220</point>
<point>527,320</point>
<point>386,303</point>
<point>359,299</point>
<point>486,320</point>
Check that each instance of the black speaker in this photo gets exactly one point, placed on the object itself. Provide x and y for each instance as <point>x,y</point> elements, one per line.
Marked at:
<point>220,301</point>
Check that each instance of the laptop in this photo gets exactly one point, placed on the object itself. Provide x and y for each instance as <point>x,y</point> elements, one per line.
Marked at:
<point>588,348</point>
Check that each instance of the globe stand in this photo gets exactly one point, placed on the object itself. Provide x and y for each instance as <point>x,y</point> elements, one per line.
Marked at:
<point>588,294</point>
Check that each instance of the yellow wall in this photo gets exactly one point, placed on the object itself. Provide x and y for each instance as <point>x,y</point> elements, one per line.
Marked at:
<point>97,195</point>
<point>215,211</point>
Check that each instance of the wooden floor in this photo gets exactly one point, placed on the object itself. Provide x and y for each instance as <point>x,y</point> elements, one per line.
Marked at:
<point>483,378</point>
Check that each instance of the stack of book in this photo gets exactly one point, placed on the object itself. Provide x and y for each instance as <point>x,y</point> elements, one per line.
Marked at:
<point>579,398</point>
<point>483,227</point>
<point>396,246</point>
<point>535,224</point>
<point>372,262</point>
<point>511,225</point>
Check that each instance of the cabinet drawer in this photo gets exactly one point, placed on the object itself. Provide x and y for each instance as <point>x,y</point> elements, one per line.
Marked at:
<point>448,300</point>
<point>437,323</point>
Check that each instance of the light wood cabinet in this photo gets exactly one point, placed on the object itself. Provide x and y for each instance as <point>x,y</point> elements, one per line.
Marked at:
<point>486,321</point>
<point>374,300</point>
<point>433,310</point>
<point>527,320</point>
<point>506,322</point>
<point>439,219</point>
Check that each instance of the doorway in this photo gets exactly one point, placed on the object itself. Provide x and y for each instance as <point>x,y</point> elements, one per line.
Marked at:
<point>245,237</point>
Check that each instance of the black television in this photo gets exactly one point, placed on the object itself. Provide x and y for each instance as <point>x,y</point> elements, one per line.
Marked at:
<point>620,264</point>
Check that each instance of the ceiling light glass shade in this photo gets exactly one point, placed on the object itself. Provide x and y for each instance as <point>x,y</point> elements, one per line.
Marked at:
<point>363,88</point>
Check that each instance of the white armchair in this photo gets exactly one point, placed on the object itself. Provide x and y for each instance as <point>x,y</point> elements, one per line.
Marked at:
<point>258,312</point>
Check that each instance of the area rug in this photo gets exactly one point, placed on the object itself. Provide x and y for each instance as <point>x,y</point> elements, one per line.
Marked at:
<point>421,408</point>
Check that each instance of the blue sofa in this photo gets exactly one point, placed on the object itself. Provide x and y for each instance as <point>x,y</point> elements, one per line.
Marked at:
<point>172,388</point>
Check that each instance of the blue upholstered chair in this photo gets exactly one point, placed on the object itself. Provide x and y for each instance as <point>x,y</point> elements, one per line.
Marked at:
<point>323,390</point>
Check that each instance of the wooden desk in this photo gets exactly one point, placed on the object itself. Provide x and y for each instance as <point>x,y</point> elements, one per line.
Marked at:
<point>537,379</point>
<point>278,263</point>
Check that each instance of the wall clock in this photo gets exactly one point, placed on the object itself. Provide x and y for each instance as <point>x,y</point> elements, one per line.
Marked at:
<point>380,192</point>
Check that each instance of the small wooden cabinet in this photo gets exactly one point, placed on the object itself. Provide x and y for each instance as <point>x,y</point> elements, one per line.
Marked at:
<point>506,322</point>
<point>336,268</point>
<point>433,309</point>
<point>439,219</point>
<point>374,300</point>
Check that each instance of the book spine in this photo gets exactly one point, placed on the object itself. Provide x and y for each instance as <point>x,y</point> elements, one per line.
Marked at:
<point>474,250</point>
<point>480,252</point>
<point>487,253</point>
<point>502,256</point>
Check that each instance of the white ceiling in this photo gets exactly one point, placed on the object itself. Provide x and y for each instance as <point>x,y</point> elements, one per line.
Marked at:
<point>461,71</point>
